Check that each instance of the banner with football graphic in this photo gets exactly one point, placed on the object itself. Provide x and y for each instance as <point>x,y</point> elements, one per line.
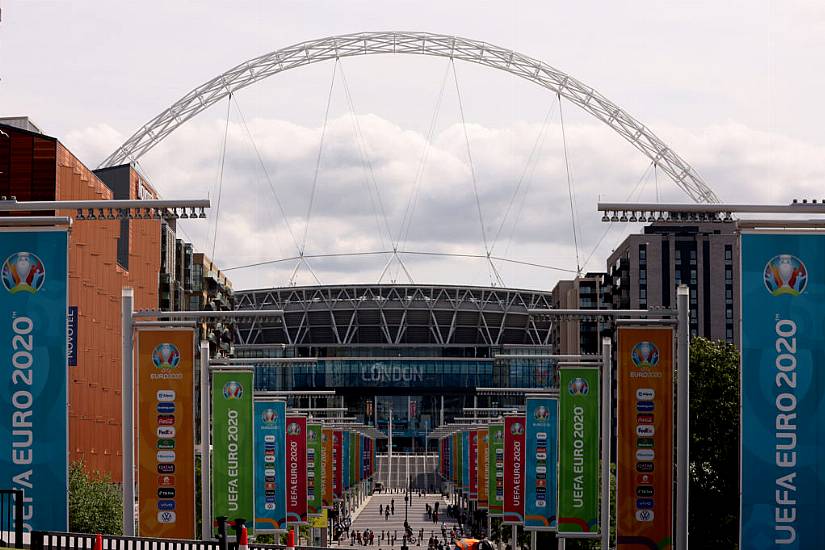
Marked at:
<point>314,469</point>
<point>644,439</point>
<point>495,458</point>
<point>514,449</point>
<point>540,463</point>
<point>232,456</point>
<point>166,427</point>
<point>483,468</point>
<point>579,427</point>
<point>296,469</point>
<point>328,472</point>
<point>338,464</point>
<point>270,464</point>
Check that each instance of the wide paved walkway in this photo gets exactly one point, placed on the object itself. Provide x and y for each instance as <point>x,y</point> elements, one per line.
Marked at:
<point>387,528</point>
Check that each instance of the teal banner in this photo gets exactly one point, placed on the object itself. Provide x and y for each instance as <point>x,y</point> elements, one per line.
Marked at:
<point>33,407</point>
<point>541,440</point>
<point>783,402</point>
<point>347,458</point>
<point>270,465</point>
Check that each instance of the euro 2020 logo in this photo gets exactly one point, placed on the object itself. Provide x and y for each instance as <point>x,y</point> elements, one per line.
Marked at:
<point>578,386</point>
<point>785,274</point>
<point>645,355</point>
<point>23,272</point>
<point>293,429</point>
<point>166,356</point>
<point>232,390</point>
<point>516,428</point>
<point>269,416</point>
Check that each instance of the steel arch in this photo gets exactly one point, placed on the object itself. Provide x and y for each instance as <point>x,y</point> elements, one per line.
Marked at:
<point>419,43</point>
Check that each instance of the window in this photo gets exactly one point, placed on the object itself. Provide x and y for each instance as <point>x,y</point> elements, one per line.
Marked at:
<point>728,313</point>
<point>729,334</point>
<point>729,294</point>
<point>643,294</point>
<point>728,253</point>
<point>693,276</point>
<point>643,276</point>
<point>728,274</point>
<point>642,253</point>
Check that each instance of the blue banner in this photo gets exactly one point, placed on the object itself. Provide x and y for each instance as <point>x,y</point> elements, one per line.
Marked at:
<point>33,408</point>
<point>345,451</point>
<point>270,465</point>
<point>465,463</point>
<point>783,403</point>
<point>541,441</point>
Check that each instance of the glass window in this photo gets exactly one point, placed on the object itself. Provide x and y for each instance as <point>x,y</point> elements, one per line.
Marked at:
<point>728,274</point>
<point>642,253</point>
<point>729,313</point>
<point>643,294</point>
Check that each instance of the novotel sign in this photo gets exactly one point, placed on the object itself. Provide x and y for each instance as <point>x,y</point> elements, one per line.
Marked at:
<point>380,373</point>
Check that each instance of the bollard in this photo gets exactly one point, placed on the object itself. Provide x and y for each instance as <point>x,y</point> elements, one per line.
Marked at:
<point>243,539</point>
<point>98,542</point>
<point>290,540</point>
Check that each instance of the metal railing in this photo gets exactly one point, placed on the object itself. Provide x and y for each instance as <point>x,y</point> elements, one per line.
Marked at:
<point>43,540</point>
<point>11,518</point>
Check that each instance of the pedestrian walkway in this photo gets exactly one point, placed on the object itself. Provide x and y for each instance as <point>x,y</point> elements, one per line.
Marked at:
<point>389,531</point>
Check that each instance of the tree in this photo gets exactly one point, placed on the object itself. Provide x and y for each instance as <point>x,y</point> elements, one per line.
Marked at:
<point>95,503</point>
<point>714,444</point>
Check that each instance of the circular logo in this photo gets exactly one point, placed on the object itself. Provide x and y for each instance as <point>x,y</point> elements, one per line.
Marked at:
<point>516,428</point>
<point>293,429</point>
<point>541,413</point>
<point>785,274</point>
<point>323,437</point>
<point>268,416</point>
<point>311,435</point>
<point>578,386</point>
<point>23,272</point>
<point>232,390</point>
<point>475,438</point>
<point>166,356</point>
<point>645,355</point>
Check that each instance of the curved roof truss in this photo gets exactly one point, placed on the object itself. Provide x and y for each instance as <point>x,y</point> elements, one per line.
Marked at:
<point>419,43</point>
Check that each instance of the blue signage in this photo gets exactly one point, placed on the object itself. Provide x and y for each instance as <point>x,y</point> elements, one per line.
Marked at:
<point>783,405</point>
<point>71,335</point>
<point>33,409</point>
<point>540,483</point>
<point>270,465</point>
<point>345,445</point>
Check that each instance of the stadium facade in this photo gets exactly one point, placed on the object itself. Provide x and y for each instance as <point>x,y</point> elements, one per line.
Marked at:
<point>417,353</point>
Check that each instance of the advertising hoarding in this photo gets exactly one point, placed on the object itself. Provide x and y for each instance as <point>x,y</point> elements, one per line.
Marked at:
<point>644,438</point>
<point>579,427</point>
<point>514,449</point>
<point>541,444</point>
<point>166,428</point>
<point>783,403</point>
<point>232,444</point>
<point>270,465</point>
<point>34,425</point>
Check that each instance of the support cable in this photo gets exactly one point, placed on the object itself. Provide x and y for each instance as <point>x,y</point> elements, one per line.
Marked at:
<point>473,171</point>
<point>569,186</point>
<point>220,177</point>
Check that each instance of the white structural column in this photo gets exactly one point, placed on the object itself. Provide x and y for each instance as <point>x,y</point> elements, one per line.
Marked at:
<point>127,395</point>
<point>682,419</point>
<point>206,455</point>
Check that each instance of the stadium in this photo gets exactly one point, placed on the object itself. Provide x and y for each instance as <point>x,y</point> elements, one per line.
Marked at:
<point>415,353</point>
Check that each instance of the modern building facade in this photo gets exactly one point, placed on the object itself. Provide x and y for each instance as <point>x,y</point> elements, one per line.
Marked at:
<point>413,353</point>
<point>646,269</point>
<point>104,257</point>
<point>590,291</point>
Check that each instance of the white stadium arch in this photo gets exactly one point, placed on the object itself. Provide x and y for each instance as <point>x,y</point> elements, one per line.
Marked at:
<point>419,43</point>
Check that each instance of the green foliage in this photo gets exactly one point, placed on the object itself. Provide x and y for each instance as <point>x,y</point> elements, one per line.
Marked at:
<point>95,503</point>
<point>714,444</point>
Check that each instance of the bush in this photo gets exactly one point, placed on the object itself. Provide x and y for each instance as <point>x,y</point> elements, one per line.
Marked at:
<point>95,503</point>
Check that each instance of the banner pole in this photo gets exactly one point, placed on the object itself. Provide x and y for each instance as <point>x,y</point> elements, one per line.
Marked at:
<point>127,395</point>
<point>206,455</point>
<point>607,437</point>
<point>682,420</point>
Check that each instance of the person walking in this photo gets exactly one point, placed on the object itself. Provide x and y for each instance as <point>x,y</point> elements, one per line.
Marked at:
<point>392,503</point>
<point>380,510</point>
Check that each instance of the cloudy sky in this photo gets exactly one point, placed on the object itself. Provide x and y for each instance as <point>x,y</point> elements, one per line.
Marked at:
<point>734,87</point>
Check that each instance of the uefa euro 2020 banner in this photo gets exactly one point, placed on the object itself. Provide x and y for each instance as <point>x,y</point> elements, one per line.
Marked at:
<point>514,450</point>
<point>495,458</point>
<point>315,485</point>
<point>465,463</point>
<point>166,428</point>
<point>33,305</point>
<point>783,402</point>
<point>483,467</point>
<point>270,464</point>
<point>541,444</point>
<point>644,439</point>
<point>472,439</point>
<point>296,469</point>
<point>232,457</point>
<point>579,426</point>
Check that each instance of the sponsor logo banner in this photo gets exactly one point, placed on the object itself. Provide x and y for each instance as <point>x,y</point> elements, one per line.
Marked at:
<point>33,409</point>
<point>465,463</point>
<point>338,464</point>
<point>345,462</point>
<point>483,467</point>
<point>783,405</point>
<point>495,459</point>
<point>270,465</point>
<point>232,432</point>
<point>165,441</point>
<point>296,470</point>
<point>644,440</point>
<point>472,439</point>
<point>326,447</point>
<point>579,425</point>
<point>540,463</point>
<point>315,472</point>
<point>514,450</point>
